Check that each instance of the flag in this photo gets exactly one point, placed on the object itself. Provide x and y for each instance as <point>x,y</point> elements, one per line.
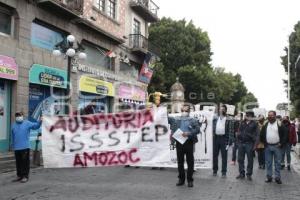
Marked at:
<point>146,71</point>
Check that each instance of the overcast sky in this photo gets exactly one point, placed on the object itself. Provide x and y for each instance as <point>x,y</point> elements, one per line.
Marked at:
<point>247,37</point>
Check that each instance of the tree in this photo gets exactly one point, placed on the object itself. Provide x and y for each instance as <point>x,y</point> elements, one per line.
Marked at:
<point>294,41</point>
<point>185,53</point>
<point>181,44</point>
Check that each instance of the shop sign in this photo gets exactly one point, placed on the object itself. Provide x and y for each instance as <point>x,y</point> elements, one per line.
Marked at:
<point>8,68</point>
<point>131,92</point>
<point>95,86</point>
<point>43,75</point>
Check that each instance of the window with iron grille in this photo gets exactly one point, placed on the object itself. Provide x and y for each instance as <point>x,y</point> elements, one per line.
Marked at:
<point>100,4</point>
<point>112,6</point>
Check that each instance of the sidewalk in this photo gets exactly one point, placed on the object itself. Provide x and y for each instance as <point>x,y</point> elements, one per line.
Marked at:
<point>296,158</point>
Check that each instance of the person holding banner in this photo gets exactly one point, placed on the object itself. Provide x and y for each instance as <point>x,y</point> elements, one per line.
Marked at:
<point>21,145</point>
<point>188,128</point>
<point>221,132</point>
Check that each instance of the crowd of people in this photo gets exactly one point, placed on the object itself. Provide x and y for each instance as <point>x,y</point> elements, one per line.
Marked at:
<point>271,138</point>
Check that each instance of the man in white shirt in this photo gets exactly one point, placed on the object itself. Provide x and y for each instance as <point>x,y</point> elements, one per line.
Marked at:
<point>274,136</point>
<point>220,140</point>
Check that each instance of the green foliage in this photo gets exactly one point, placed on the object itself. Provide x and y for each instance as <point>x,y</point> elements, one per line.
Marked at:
<point>294,40</point>
<point>185,53</point>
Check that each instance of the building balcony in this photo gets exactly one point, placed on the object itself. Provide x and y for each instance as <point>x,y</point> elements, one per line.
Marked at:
<point>146,9</point>
<point>141,45</point>
<point>67,8</point>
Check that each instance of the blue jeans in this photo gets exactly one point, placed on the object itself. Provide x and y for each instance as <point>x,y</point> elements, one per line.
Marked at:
<point>286,150</point>
<point>245,149</point>
<point>273,152</point>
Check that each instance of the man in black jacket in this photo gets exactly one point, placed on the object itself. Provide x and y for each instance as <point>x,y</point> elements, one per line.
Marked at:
<point>247,136</point>
<point>273,136</point>
<point>221,133</point>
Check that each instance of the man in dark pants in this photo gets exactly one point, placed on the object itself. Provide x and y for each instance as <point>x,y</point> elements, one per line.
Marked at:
<point>247,137</point>
<point>21,145</point>
<point>273,135</point>
<point>221,134</point>
<point>190,128</point>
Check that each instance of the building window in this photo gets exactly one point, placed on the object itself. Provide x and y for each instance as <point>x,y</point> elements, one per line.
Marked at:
<point>100,5</point>
<point>136,27</point>
<point>112,6</point>
<point>97,56</point>
<point>45,36</point>
<point>6,22</point>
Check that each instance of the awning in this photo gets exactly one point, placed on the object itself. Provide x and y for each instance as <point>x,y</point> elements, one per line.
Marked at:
<point>44,75</point>
<point>8,68</point>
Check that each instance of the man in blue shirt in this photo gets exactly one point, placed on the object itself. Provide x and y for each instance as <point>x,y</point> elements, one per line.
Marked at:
<point>190,128</point>
<point>21,145</point>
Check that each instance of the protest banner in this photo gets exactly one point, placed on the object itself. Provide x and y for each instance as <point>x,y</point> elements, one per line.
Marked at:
<point>105,139</point>
<point>132,138</point>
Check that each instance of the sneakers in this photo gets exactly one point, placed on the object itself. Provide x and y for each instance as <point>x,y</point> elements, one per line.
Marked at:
<point>24,180</point>
<point>224,175</point>
<point>249,178</point>
<point>215,174</point>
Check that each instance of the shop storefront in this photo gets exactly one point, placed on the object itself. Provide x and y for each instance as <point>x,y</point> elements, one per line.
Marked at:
<point>96,96</point>
<point>47,88</point>
<point>8,74</point>
<point>131,97</point>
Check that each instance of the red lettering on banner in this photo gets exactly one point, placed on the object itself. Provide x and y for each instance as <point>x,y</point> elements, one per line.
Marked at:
<point>125,158</point>
<point>132,151</point>
<point>109,158</point>
<point>148,117</point>
<point>59,124</point>
<point>126,120</point>
<point>77,161</point>
<point>112,159</point>
<point>92,157</point>
<point>73,124</point>
<point>101,161</point>
<point>88,122</point>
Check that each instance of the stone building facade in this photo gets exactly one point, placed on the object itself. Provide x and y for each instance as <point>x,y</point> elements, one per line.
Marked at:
<point>30,73</point>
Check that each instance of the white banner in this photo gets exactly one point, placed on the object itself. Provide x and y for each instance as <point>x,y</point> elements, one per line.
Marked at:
<point>106,140</point>
<point>204,148</point>
<point>136,138</point>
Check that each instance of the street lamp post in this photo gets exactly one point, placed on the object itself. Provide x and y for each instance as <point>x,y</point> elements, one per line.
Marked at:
<point>68,48</point>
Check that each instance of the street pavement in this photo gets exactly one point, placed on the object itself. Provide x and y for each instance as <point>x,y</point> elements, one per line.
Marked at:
<point>119,183</point>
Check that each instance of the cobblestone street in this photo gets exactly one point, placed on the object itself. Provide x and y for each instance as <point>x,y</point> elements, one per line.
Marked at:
<point>143,183</point>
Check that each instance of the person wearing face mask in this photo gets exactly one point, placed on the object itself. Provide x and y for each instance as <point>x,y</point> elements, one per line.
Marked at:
<point>273,135</point>
<point>291,141</point>
<point>190,128</point>
<point>21,145</point>
<point>221,132</point>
